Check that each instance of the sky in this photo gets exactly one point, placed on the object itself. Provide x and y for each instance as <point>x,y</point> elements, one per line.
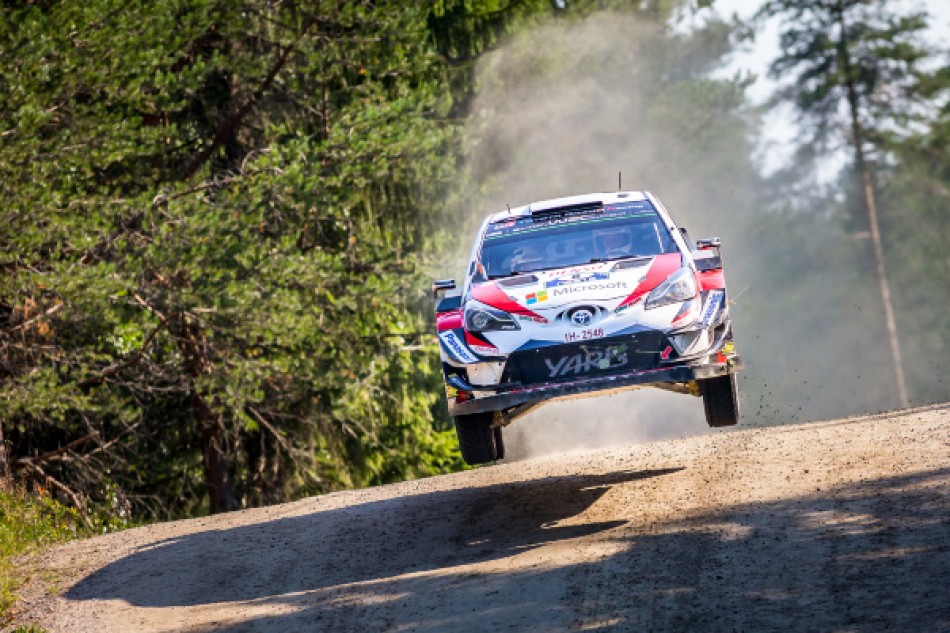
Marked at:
<point>779,132</point>
<point>756,57</point>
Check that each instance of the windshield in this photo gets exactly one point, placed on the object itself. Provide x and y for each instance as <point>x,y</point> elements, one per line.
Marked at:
<point>560,240</point>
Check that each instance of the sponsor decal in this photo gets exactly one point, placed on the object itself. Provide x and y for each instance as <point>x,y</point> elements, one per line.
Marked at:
<point>665,354</point>
<point>569,290</point>
<point>456,347</point>
<point>494,296</point>
<point>531,319</point>
<point>583,335</point>
<point>577,278</point>
<point>584,268</point>
<point>712,304</point>
<point>587,361</point>
<point>535,297</point>
<point>588,215</point>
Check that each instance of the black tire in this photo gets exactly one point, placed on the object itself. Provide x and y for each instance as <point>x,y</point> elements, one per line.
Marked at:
<point>499,443</point>
<point>721,400</point>
<point>477,438</point>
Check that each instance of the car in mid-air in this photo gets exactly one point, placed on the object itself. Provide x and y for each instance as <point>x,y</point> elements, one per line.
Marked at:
<point>582,296</point>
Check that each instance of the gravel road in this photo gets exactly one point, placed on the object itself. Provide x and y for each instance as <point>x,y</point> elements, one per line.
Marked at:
<point>825,526</point>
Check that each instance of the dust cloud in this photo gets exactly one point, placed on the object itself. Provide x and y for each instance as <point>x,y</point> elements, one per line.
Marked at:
<point>563,108</point>
<point>632,417</point>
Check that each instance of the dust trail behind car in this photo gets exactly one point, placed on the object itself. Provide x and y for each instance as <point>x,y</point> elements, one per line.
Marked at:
<point>638,417</point>
<point>566,106</point>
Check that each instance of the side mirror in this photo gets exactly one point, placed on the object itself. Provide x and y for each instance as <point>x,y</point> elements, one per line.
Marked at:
<point>445,304</point>
<point>441,285</point>
<point>712,242</point>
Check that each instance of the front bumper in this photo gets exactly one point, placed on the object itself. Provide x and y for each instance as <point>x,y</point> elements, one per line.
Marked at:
<point>518,397</point>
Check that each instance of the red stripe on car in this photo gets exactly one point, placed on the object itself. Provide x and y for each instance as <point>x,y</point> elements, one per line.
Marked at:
<point>451,320</point>
<point>475,340</point>
<point>712,280</point>
<point>661,268</point>
<point>490,294</point>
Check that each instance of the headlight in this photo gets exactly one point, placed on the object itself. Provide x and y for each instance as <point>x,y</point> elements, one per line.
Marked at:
<point>678,287</point>
<point>482,318</point>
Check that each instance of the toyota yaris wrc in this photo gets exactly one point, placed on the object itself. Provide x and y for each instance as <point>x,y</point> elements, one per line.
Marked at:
<point>578,296</point>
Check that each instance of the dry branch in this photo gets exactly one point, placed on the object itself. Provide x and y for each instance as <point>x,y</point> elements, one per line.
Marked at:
<point>231,124</point>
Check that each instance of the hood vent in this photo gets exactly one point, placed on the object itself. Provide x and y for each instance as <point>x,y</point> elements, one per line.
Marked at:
<point>639,262</point>
<point>520,280</point>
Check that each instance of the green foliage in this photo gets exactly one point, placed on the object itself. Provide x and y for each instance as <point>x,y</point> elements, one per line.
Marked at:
<point>28,523</point>
<point>214,282</point>
<point>857,71</point>
<point>855,52</point>
<point>916,227</point>
<point>219,218</point>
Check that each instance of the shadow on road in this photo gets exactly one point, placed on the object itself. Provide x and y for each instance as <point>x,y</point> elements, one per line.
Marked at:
<point>355,544</point>
<point>866,557</point>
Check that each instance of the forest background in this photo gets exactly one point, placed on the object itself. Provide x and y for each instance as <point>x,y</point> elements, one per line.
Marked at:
<point>220,220</point>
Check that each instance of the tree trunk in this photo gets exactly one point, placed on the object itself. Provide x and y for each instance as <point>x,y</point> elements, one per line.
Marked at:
<point>217,469</point>
<point>4,461</point>
<point>864,170</point>
<point>214,458</point>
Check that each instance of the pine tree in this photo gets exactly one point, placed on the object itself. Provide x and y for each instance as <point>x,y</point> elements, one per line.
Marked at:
<point>851,70</point>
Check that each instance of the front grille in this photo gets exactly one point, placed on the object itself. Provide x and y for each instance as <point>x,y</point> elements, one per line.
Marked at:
<point>576,361</point>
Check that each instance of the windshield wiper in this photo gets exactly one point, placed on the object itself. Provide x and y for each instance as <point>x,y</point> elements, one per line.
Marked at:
<point>507,275</point>
<point>600,260</point>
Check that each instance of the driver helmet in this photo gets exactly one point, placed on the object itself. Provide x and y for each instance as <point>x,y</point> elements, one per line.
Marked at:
<point>525,256</point>
<point>615,242</point>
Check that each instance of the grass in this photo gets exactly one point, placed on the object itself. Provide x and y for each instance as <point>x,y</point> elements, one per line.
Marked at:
<point>29,522</point>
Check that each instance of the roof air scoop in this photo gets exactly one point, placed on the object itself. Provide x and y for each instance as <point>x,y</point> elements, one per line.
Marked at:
<point>571,209</point>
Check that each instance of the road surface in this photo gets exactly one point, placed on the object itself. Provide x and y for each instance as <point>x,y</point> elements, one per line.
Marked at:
<point>825,526</point>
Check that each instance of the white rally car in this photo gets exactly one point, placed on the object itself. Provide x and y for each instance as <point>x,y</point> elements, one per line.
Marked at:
<point>577,296</point>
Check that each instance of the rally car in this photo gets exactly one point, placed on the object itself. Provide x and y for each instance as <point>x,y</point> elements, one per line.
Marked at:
<point>580,296</point>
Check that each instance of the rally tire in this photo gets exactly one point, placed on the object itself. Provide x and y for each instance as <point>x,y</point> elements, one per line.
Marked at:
<point>721,400</point>
<point>499,443</point>
<point>477,438</point>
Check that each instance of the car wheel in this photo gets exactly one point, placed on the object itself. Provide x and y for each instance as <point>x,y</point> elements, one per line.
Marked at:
<point>499,443</point>
<point>721,400</point>
<point>477,438</point>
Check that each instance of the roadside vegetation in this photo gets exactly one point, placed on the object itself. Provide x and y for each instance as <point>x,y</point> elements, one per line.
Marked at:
<point>28,523</point>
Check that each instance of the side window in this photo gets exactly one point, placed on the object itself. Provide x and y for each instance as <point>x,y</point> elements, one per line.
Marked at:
<point>475,272</point>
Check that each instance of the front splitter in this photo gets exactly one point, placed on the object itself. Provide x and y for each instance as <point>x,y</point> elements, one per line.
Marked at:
<point>551,391</point>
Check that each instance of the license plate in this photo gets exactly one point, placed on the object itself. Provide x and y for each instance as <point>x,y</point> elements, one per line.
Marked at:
<point>583,335</point>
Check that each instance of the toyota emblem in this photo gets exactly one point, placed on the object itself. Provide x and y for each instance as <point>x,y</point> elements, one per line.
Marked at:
<point>582,317</point>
